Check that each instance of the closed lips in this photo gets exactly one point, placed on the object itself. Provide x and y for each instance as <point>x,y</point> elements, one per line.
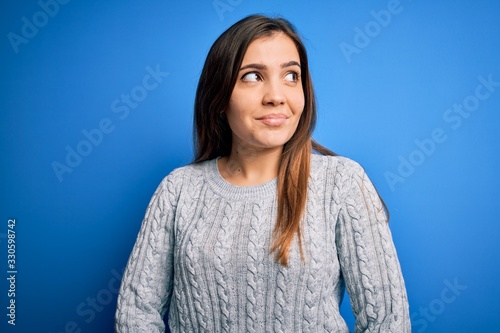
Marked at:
<point>274,119</point>
<point>274,116</point>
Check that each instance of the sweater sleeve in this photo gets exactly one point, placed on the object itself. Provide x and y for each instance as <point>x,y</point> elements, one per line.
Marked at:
<point>146,287</point>
<point>369,263</point>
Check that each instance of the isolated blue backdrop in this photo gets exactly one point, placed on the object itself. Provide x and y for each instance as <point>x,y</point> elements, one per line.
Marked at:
<point>96,107</point>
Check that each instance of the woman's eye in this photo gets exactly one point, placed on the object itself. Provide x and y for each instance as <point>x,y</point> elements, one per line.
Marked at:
<point>292,77</point>
<point>251,77</point>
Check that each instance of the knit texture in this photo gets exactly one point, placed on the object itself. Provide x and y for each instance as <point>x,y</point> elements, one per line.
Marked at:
<point>202,255</point>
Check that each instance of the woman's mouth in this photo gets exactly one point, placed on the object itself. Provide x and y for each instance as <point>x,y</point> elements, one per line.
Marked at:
<point>274,119</point>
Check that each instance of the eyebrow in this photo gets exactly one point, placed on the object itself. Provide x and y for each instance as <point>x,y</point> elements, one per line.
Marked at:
<point>263,67</point>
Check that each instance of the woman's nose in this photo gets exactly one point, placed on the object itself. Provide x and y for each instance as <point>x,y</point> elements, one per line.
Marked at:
<point>274,93</point>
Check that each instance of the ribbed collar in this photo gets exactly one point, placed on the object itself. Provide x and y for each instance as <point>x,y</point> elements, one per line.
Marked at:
<point>225,189</point>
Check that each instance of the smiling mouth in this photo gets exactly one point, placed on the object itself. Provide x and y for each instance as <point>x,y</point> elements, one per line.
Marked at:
<point>274,119</point>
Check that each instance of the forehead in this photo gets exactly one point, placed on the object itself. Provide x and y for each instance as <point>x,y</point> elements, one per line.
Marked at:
<point>276,47</point>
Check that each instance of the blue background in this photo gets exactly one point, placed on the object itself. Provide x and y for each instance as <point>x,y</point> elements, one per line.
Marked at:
<point>75,231</point>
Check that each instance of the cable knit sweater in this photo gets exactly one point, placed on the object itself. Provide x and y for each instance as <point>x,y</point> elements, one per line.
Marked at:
<point>202,255</point>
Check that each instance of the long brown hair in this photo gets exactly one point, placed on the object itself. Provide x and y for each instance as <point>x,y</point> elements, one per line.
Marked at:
<point>212,135</point>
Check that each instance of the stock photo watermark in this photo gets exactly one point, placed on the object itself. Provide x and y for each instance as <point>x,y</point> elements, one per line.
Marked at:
<point>31,26</point>
<point>121,107</point>
<point>363,36</point>
<point>11,271</point>
<point>92,305</point>
<point>429,314</point>
<point>222,6</point>
<point>453,117</point>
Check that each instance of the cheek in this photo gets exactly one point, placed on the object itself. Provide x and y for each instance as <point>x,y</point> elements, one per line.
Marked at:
<point>236,119</point>
<point>297,105</point>
<point>296,100</point>
<point>241,107</point>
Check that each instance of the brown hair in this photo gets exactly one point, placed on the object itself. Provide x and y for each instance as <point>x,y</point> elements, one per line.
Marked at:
<point>212,135</point>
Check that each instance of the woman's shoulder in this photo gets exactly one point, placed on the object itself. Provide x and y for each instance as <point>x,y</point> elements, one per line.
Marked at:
<point>189,169</point>
<point>335,174</point>
<point>189,173</point>
<point>335,165</point>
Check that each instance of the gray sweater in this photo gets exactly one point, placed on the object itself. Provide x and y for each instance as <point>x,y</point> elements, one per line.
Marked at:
<point>202,255</point>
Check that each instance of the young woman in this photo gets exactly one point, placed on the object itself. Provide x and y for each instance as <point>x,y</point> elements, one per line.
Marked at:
<point>260,234</point>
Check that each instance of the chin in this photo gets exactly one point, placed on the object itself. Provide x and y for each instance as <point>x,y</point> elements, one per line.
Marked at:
<point>275,142</point>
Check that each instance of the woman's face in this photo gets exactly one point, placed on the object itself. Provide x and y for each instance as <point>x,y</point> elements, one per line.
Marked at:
<point>267,100</point>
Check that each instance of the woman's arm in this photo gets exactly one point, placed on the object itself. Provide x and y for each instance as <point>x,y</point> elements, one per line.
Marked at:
<point>146,286</point>
<point>369,261</point>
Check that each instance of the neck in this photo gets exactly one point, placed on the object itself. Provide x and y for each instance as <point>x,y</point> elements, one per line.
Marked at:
<point>244,167</point>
